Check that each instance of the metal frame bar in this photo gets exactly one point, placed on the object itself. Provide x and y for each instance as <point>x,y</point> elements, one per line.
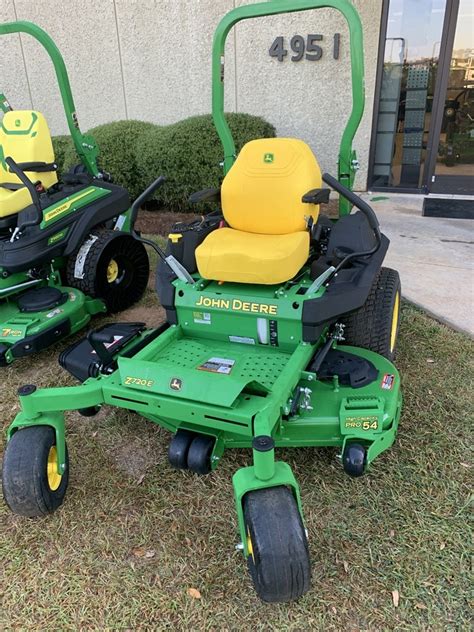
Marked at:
<point>377,90</point>
<point>84,144</point>
<point>347,158</point>
<point>439,97</point>
<point>447,41</point>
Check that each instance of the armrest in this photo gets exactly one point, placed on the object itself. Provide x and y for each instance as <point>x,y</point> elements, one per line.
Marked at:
<point>206,195</point>
<point>316,196</point>
<point>38,167</point>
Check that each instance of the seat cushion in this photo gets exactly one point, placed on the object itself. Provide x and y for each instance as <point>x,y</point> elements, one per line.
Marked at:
<point>235,256</point>
<point>12,202</point>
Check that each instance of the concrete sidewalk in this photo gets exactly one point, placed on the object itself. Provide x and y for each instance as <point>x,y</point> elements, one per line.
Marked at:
<point>434,257</point>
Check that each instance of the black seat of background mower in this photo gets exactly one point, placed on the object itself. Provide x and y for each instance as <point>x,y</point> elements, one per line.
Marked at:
<point>39,299</point>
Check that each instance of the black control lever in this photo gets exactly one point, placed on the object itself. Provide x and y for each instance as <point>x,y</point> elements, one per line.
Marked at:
<point>35,198</point>
<point>356,201</point>
<point>143,197</point>
<point>176,267</point>
<point>370,215</point>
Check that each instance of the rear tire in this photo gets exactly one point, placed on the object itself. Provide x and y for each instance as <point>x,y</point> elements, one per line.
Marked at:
<point>279,561</point>
<point>31,483</point>
<point>112,266</point>
<point>375,325</point>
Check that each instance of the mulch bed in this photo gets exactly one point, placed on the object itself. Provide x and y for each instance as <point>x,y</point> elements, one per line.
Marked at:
<point>161,222</point>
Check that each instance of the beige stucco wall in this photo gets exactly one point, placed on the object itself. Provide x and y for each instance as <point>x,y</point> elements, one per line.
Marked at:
<point>150,59</point>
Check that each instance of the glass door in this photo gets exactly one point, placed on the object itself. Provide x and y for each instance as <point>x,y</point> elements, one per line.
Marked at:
<point>452,169</point>
<point>406,89</point>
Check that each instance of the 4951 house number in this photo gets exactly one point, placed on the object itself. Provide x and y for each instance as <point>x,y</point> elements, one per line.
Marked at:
<point>310,48</point>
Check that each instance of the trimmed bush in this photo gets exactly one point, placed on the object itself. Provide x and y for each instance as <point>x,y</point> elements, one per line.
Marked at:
<point>119,146</point>
<point>189,153</point>
<point>62,145</point>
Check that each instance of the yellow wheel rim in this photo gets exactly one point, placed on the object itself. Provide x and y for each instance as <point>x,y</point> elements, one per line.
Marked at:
<point>249,545</point>
<point>54,477</point>
<point>395,315</point>
<point>112,271</point>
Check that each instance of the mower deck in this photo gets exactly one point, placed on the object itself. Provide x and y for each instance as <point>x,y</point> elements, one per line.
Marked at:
<point>23,333</point>
<point>182,374</point>
<point>175,381</point>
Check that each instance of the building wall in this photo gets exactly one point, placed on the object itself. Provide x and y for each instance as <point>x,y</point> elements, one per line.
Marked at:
<point>150,60</point>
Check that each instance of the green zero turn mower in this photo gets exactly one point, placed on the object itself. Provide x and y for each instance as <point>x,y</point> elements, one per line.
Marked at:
<point>66,251</point>
<point>281,328</point>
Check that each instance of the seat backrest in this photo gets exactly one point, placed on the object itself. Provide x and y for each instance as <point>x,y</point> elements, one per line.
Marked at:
<point>25,137</point>
<point>262,191</point>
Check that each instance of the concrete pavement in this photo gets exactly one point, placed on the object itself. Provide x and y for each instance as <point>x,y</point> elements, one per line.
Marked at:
<point>435,258</point>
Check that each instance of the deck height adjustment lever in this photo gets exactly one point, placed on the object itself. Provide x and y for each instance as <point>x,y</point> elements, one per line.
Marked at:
<point>300,401</point>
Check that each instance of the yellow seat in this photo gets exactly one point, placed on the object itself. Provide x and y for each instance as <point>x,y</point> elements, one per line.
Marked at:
<point>267,241</point>
<point>25,137</point>
<point>251,258</point>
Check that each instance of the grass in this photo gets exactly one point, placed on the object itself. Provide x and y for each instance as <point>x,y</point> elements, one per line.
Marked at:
<point>134,535</point>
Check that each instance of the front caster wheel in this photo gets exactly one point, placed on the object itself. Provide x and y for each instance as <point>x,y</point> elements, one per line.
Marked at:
<point>90,411</point>
<point>199,455</point>
<point>278,558</point>
<point>32,485</point>
<point>354,459</point>
<point>179,448</point>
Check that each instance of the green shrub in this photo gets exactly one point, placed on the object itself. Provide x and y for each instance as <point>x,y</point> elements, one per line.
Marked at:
<point>189,153</point>
<point>119,145</point>
<point>62,145</point>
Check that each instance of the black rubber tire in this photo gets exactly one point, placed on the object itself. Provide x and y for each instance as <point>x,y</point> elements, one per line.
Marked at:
<point>24,477</point>
<point>133,269</point>
<point>280,566</point>
<point>370,327</point>
<point>199,454</point>
<point>179,448</point>
<point>354,459</point>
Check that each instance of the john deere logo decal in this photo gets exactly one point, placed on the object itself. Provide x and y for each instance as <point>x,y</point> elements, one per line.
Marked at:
<point>176,384</point>
<point>268,158</point>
